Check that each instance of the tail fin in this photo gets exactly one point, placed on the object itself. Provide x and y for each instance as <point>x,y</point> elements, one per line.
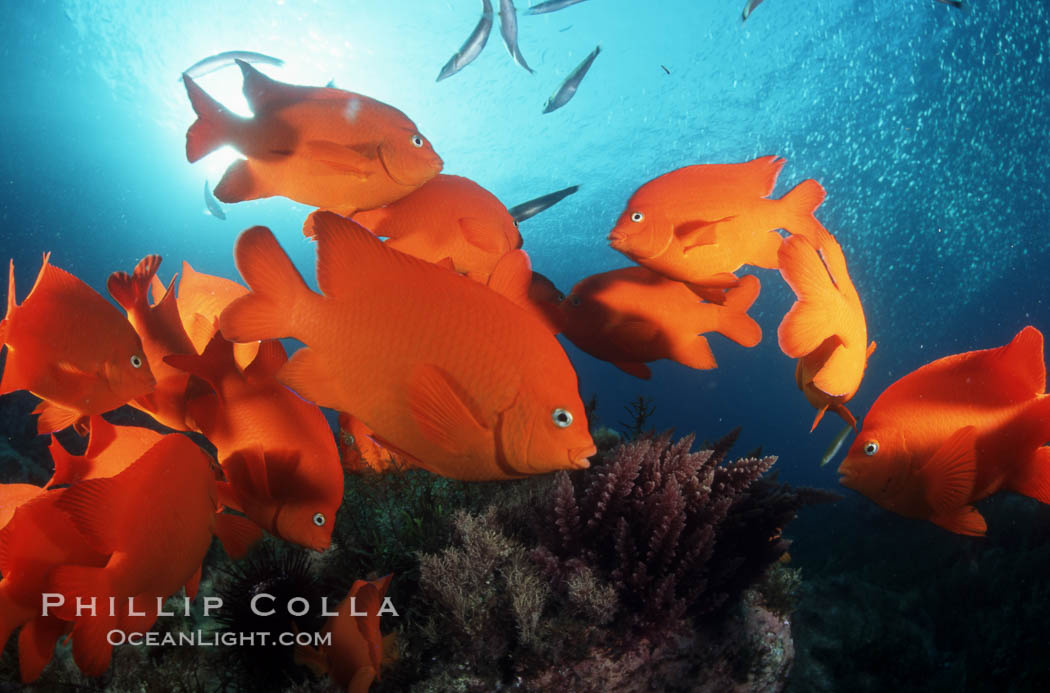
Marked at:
<point>811,319</point>
<point>132,291</point>
<point>69,468</point>
<point>212,128</point>
<point>1032,477</point>
<point>799,204</point>
<point>733,320</point>
<point>268,312</point>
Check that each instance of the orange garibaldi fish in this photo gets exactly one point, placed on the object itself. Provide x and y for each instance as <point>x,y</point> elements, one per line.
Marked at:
<point>321,146</point>
<point>161,331</point>
<point>277,450</point>
<point>825,328</point>
<point>955,431</point>
<point>448,217</point>
<point>72,348</point>
<point>442,369</point>
<point>633,315</point>
<point>355,655</point>
<point>700,223</point>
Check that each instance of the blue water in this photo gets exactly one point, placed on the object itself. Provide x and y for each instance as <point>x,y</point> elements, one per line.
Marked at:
<point>926,125</point>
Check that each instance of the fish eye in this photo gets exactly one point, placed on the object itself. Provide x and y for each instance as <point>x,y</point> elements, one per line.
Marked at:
<point>574,300</point>
<point>871,447</point>
<point>417,141</point>
<point>136,361</point>
<point>319,519</point>
<point>637,216</point>
<point>559,297</point>
<point>562,418</point>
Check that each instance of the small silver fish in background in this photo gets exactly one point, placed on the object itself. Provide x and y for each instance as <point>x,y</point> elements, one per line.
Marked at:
<point>221,60</point>
<point>551,6</point>
<point>957,4</point>
<point>212,204</point>
<point>568,88</point>
<point>749,8</point>
<point>835,445</point>
<point>508,27</point>
<point>533,207</point>
<point>472,46</point>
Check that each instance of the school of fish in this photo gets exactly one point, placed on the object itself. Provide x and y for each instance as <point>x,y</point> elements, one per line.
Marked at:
<point>437,348</point>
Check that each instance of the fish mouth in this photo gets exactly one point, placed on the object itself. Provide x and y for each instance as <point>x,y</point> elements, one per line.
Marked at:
<point>579,457</point>
<point>437,164</point>
<point>616,236</point>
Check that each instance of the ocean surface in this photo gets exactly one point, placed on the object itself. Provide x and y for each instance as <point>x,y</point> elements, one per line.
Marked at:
<point>926,124</point>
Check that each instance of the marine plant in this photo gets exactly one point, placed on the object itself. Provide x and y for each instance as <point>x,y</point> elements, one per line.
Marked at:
<point>649,521</point>
<point>639,411</point>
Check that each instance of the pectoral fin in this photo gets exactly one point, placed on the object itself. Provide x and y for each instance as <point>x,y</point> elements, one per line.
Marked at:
<point>436,404</point>
<point>341,158</point>
<point>950,473</point>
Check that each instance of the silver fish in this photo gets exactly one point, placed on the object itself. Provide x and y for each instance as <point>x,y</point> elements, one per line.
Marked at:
<point>221,60</point>
<point>836,445</point>
<point>551,6</point>
<point>508,27</point>
<point>533,207</point>
<point>212,204</point>
<point>749,8</point>
<point>472,46</point>
<point>568,88</point>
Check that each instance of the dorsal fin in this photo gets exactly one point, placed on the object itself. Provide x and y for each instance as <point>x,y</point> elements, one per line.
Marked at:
<point>266,94</point>
<point>348,255</point>
<point>1021,361</point>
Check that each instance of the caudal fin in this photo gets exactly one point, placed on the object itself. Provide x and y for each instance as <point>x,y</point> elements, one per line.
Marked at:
<point>798,206</point>
<point>813,317</point>
<point>131,291</point>
<point>1032,429</point>
<point>212,128</point>
<point>277,290</point>
<point>733,321</point>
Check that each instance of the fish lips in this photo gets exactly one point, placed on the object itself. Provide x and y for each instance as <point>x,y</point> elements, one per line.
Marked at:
<point>579,458</point>
<point>436,165</point>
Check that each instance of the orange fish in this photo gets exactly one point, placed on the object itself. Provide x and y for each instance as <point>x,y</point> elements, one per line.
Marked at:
<point>448,217</point>
<point>359,450</point>
<point>633,315</point>
<point>546,300</point>
<point>321,146</point>
<point>111,449</point>
<point>355,655</point>
<point>277,450</point>
<point>444,370</point>
<point>38,538</point>
<point>160,329</point>
<point>825,328</point>
<point>14,495</point>
<point>155,534</point>
<point>955,431</point>
<point>71,348</point>
<point>201,298</point>
<point>700,223</point>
